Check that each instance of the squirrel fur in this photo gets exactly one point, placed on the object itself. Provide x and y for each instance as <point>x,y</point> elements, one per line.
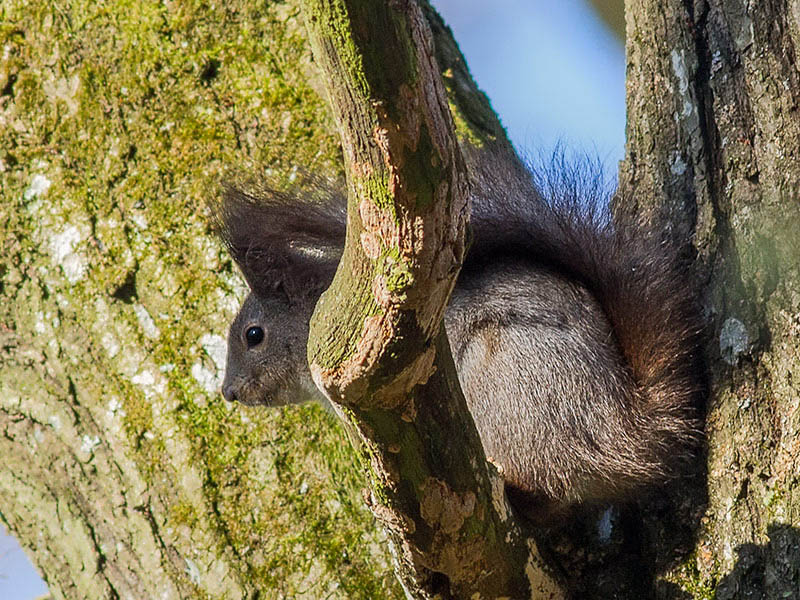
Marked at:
<point>575,338</point>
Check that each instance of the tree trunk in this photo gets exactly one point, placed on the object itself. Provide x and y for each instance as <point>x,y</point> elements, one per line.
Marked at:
<point>125,474</point>
<point>714,130</point>
<point>377,345</point>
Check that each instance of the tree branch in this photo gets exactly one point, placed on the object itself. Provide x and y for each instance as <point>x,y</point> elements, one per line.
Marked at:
<point>377,348</point>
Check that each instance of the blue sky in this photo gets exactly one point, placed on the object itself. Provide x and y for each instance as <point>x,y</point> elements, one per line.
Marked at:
<point>18,578</point>
<point>553,73</point>
<point>552,70</point>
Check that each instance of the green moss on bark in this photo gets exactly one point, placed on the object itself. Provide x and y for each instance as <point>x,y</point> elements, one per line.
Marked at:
<point>119,120</point>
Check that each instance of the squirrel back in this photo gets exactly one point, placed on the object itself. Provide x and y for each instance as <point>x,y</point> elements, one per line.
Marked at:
<point>575,338</point>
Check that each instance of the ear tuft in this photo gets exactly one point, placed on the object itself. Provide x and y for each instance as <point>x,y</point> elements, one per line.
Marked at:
<point>283,241</point>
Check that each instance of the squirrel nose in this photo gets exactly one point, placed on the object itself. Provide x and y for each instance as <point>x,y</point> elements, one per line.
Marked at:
<point>228,393</point>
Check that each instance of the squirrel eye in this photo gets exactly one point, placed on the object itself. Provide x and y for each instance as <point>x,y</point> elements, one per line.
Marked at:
<point>254,336</point>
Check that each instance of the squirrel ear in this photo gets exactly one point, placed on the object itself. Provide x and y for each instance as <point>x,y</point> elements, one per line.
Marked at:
<point>281,241</point>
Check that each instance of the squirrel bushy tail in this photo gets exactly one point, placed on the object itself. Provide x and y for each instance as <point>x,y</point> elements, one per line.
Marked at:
<point>635,271</point>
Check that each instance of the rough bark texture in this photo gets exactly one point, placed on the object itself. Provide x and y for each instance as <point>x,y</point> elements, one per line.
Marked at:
<point>124,473</point>
<point>714,129</point>
<point>377,345</point>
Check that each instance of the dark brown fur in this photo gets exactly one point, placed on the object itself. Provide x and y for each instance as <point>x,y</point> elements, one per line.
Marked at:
<point>575,339</point>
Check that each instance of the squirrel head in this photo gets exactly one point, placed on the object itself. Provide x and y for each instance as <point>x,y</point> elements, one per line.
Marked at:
<point>287,250</point>
<point>267,353</point>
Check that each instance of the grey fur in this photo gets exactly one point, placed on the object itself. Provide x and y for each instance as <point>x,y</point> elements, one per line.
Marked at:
<point>576,343</point>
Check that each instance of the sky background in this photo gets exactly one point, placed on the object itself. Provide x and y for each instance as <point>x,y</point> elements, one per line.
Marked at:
<point>553,73</point>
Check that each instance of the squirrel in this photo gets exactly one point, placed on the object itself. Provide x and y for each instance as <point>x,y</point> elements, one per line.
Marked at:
<point>576,337</point>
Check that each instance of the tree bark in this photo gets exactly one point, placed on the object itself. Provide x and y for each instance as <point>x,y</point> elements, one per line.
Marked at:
<point>125,475</point>
<point>714,130</point>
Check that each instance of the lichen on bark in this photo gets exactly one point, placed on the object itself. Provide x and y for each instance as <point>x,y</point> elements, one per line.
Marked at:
<point>390,370</point>
<point>118,119</point>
